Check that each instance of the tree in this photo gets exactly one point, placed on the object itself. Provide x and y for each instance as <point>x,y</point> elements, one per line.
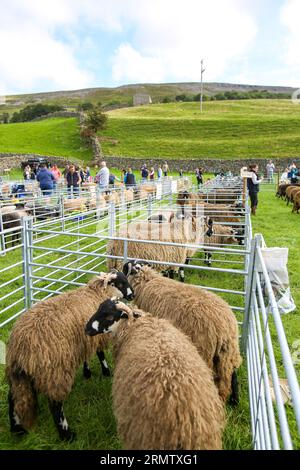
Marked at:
<point>86,106</point>
<point>95,120</point>
<point>33,111</point>
<point>4,118</point>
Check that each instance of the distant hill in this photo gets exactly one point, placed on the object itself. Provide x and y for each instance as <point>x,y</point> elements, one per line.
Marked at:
<point>123,95</point>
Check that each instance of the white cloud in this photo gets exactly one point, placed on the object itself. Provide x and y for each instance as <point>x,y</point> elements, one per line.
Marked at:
<point>157,41</point>
<point>173,35</point>
<point>290,15</point>
<point>30,52</point>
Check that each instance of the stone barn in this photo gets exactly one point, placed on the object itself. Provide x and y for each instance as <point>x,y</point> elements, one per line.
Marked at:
<point>141,98</point>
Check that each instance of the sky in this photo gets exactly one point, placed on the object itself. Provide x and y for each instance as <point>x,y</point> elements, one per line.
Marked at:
<point>48,45</point>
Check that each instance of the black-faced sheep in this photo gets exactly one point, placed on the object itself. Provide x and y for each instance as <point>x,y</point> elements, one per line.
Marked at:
<point>206,318</point>
<point>47,345</point>
<point>164,397</point>
<point>12,220</point>
<point>218,235</point>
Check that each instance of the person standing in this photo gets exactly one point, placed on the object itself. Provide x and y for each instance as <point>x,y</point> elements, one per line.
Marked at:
<point>112,179</point>
<point>56,173</point>
<point>199,176</point>
<point>46,180</point>
<point>270,167</point>
<point>27,173</point>
<point>129,179</point>
<point>159,173</point>
<point>103,176</point>
<point>293,173</point>
<point>253,187</point>
<point>73,181</point>
<point>144,173</point>
<point>152,174</point>
<point>165,169</point>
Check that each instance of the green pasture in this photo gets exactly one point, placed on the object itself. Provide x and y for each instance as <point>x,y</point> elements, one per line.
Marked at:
<point>225,130</point>
<point>53,137</point>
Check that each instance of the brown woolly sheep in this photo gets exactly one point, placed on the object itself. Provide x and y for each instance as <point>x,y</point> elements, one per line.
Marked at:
<point>202,315</point>
<point>293,193</point>
<point>281,191</point>
<point>179,231</point>
<point>218,236</point>
<point>113,197</point>
<point>78,204</point>
<point>46,346</point>
<point>296,206</point>
<point>288,193</point>
<point>164,397</point>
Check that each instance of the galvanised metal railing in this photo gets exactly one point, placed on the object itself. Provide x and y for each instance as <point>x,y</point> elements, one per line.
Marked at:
<point>262,330</point>
<point>62,254</point>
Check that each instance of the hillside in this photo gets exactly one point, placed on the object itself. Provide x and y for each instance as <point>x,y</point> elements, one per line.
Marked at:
<point>53,137</point>
<point>226,130</point>
<point>124,94</point>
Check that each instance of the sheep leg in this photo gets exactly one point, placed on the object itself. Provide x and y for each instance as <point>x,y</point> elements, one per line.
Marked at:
<point>171,274</point>
<point>86,370</point>
<point>60,421</point>
<point>15,426</point>
<point>187,261</point>
<point>103,363</point>
<point>234,398</point>
<point>181,274</point>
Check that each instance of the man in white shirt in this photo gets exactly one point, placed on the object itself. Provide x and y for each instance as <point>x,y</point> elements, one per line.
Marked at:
<point>270,167</point>
<point>103,176</point>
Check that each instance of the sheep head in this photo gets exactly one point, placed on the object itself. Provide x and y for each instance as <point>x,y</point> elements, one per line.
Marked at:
<point>108,316</point>
<point>134,267</point>
<point>114,279</point>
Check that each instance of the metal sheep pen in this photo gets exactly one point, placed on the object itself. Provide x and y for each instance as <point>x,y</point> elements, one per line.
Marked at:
<point>62,253</point>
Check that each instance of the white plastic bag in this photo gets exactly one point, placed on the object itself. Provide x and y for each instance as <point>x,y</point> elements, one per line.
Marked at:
<point>276,263</point>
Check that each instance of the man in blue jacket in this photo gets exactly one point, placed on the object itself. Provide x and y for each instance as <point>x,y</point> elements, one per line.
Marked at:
<point>46,180</point>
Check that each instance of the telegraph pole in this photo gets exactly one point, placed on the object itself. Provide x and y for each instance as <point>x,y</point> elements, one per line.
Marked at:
<point>201,88</point>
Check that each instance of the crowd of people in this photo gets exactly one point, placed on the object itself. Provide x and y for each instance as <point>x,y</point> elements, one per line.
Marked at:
<point>48,178</point>
<point>75,176</point>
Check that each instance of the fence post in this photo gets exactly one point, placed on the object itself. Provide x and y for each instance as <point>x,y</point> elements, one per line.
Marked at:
<point>2,235</point>
<point>62,211</point>
<point>244,191</point>
<point>112,219</point>
<point>27,239</point>
<point>149,205</point>
<point>98,209</point>
<point>125,253</point>
<point>250,288</point>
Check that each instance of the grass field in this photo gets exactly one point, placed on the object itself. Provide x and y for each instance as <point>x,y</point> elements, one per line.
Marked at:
<point>92,417</point>
<point>227,130</point>
<point>53,137</point>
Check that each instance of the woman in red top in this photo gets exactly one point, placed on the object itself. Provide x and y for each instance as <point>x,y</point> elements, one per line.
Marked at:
<point>152,173</point>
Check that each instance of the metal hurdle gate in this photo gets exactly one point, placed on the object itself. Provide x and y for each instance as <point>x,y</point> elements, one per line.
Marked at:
<point>57,256</point>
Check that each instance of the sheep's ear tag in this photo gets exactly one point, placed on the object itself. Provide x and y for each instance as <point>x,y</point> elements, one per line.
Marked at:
<point>136,315</point>
<point>124,315</point>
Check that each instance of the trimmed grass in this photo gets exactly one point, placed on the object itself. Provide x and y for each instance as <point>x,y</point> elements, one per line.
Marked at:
<point>227,130</point>
<point>92,417</point>
<point>53,137</point>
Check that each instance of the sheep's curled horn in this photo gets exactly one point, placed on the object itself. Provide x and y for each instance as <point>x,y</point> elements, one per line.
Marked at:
<point>108,277</point>
<point>127,310</point>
